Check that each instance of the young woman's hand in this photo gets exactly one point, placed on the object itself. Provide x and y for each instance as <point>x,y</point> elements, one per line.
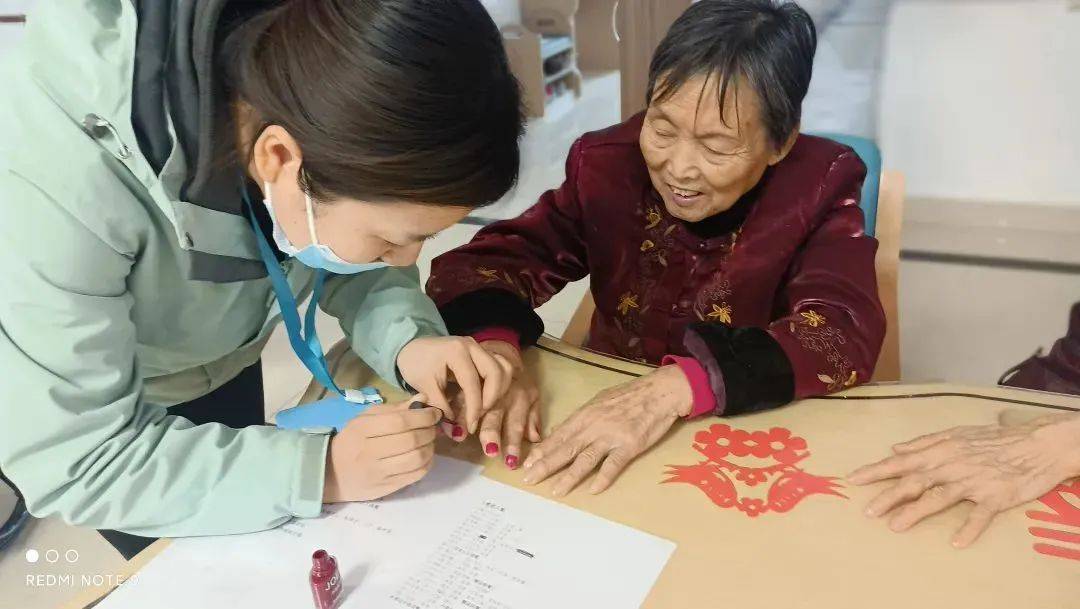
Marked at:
<point>431,364</point>
<point>381,451</point>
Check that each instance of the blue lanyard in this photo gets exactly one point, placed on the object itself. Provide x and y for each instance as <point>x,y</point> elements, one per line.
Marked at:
<point>304,340</point>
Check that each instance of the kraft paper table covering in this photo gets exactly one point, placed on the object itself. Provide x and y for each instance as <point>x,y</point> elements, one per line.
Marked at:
<point>822,552</point>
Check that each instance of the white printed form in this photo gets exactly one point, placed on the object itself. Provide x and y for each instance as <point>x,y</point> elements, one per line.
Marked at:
<point>481,565</point>
<point>456,540</point>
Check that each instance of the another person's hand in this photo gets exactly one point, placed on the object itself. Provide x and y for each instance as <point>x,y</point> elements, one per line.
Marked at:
<point>431,364</point>
<point>511,353</point>
<point>994,467</point>
<point>516,416</point>
<point>611,431</point>
<point>381,451</point>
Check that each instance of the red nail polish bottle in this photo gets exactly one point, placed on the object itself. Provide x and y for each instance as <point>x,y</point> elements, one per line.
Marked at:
<point>325,580</point>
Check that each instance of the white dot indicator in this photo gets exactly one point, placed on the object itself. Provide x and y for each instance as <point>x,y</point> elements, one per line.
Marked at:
<point>32,556</point>
<point>51,556</point>
<point>72,556</point>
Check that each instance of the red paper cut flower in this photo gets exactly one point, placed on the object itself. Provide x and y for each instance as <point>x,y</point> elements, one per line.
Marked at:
<point>787,484</point>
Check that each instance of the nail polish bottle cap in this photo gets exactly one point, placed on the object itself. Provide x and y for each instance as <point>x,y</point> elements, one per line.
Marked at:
<point>322,562</point>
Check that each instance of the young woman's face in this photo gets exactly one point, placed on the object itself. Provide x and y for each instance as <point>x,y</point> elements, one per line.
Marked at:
<point>700,163</point>
<point>357,231</point>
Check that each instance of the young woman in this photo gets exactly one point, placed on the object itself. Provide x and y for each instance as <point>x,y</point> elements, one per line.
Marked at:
<point>721,244</point>
<point>137,286</point>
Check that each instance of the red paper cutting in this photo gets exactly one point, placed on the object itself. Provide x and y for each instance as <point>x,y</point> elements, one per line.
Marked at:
<point>1064,513</point>
<point>766,458</point>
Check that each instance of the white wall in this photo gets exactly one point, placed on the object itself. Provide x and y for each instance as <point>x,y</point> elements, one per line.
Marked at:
<point>11,33</point>
<point>980,100</point>
<point>9,37</point>
<point>843,96</point>
<point>15,6</point>
<point>503,11</point>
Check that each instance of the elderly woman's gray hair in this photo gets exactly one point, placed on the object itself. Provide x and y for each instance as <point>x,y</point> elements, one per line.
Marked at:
<point>767,44</point>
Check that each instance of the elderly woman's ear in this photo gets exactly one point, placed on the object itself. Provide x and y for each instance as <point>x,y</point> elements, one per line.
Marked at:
<point>782,152</point>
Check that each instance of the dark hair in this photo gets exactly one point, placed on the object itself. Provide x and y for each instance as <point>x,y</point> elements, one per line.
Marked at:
<point>769,43</point>
<point>389,99</point>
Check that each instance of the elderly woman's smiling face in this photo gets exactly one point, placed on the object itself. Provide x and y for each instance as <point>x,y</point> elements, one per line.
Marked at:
<point>700,162</point>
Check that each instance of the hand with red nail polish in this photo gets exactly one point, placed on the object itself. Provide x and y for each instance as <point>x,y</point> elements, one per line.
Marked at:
<point>445,365</point>
<point>515,418</point>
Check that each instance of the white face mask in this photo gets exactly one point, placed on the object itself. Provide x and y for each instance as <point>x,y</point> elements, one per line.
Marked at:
<point>316,255</point>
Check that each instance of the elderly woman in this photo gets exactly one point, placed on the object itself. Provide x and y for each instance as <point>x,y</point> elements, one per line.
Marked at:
<point>722,245</point>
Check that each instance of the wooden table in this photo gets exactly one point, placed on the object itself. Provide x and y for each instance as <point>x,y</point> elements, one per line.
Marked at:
<point>814,551</point>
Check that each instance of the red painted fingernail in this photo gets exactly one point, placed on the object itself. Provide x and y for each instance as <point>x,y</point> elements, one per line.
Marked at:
<point>491,448</point>
<point>458,431</point>
<point>511,461</point>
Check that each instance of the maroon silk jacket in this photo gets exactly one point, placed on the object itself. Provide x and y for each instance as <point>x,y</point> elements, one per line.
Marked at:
<point>776,297</point>
<point>1058,371</point>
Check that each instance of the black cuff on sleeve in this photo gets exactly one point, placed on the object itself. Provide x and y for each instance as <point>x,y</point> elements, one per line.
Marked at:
<point>491,308</point>
<point>757,373</point>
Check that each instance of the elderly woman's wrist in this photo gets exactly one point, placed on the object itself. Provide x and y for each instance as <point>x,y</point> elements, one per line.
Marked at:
<point>680,397</point>
<point>1068,439</point>
<point>1074,424</point>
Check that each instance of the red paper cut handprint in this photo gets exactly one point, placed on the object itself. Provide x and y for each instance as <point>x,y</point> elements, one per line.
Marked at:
<point>1064,513</point>
<point>769,457</point>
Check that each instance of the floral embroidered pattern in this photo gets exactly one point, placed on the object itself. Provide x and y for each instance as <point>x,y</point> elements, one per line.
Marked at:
<point>817,336</point>
<point>836,384</point>
<point>712,301</point>
<point>657,286</point>
<point>489,275</point>
<point>720,313</point>
<point>652,218</point>
<point>635,304</point>
<point>626,302</point>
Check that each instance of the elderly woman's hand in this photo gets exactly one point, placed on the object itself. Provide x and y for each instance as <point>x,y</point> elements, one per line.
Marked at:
<point>517,415</point>
<point>611,431</point>
<point>995,467</point>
